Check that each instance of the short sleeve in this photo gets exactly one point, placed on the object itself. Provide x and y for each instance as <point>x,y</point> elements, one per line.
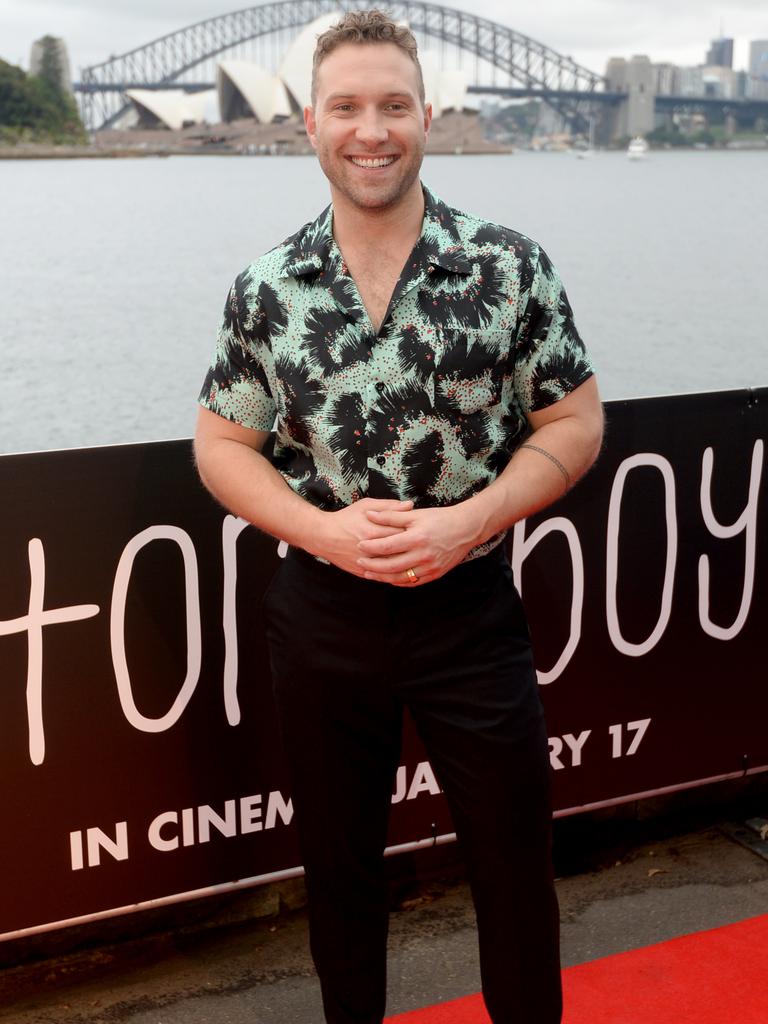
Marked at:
<point>237,383</point>
<point>550,357</point>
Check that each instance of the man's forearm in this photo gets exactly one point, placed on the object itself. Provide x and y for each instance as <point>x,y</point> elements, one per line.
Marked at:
<point>249,486</point>
<point>548,463</point>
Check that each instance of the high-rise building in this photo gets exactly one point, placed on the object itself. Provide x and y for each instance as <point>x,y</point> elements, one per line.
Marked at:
<point>61,55</point>
<point>690,81</point>
<point>635,78</point>
<point>719,82</point>
<point>758,58</point>
<point>666,79</point>
<point>720,54</point>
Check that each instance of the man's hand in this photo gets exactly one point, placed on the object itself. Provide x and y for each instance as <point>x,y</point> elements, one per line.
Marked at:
<point>566,439</point>
<point>342,532</point>
<point>429,540</point>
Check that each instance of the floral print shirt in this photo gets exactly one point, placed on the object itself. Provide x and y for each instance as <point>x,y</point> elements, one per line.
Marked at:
<point>478,333</point>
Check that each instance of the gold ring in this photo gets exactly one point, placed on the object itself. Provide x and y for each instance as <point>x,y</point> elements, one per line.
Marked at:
<point>410,573</point>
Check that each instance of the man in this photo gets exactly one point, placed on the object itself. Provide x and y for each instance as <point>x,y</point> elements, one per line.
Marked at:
<point>430,391</point>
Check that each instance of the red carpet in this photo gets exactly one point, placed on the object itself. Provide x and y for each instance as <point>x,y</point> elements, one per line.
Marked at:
<point>711,977</point>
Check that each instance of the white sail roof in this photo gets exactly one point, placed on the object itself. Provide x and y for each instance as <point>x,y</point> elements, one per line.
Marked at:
<point>173,107</point>
<point>264,93</point>
<point>452,86</point>
<point>445,89</point>
<point>296,66</point>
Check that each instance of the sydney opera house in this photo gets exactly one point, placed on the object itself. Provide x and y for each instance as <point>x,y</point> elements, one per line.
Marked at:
<point>245,90</point>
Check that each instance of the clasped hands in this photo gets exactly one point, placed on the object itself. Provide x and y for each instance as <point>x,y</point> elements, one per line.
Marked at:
<point>381,539</point>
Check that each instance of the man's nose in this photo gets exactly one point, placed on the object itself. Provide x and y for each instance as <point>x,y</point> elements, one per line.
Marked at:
<point>371,130</point>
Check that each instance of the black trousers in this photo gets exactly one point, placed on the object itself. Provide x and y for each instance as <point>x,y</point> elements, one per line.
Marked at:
<point>347,655</point>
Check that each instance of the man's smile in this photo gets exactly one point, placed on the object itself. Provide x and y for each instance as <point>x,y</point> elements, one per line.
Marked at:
<point>372,161</point>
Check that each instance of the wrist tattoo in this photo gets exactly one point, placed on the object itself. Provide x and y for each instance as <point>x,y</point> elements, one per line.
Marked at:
<point>553,460</point>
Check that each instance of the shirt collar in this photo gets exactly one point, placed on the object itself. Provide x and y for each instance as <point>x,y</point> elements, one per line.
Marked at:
<point>439,245</point>
<point>440,236</point>
<point>309,251</point>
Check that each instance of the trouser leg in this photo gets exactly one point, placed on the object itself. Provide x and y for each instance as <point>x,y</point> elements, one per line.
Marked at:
<point>341,731</point>
<point>473,694</point>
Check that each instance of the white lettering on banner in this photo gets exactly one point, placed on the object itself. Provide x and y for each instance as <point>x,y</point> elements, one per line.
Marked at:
<point>617,731</point>
<point>191,826</point>
<point>423,781</point>
<point>32,624</point>
<point>250,814</point>
<point>188,826</point>
<point>96,841</point>
<point>521,548</point>
<point>612,553</point>
<point>117,627</point>
<point>37,616</point>
<point>277,807</point>
<point>76,850</point>
<point>240,817</point>
<point>575,744</point>
<point>747,524</point>
<point>231,529</point>
<point>207,817</point>
<point>155,836</point>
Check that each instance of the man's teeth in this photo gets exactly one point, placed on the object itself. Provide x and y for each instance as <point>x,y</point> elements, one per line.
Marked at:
<point>376,162</point>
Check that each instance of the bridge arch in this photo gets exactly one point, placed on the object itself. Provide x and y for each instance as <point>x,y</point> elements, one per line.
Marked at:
<point>163,61</point>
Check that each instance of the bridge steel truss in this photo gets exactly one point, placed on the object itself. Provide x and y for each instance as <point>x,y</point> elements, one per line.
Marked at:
<point>162,62</point>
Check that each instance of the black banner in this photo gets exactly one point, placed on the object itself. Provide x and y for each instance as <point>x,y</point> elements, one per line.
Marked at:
<point>139,751</point>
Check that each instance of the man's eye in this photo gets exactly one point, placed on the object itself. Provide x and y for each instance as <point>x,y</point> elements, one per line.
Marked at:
<point>343,107</point>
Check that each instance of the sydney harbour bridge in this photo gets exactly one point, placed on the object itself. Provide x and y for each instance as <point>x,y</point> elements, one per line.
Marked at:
<point>503,62</point>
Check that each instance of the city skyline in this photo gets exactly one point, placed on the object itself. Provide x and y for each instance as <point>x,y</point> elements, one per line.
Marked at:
<point>590,32</point>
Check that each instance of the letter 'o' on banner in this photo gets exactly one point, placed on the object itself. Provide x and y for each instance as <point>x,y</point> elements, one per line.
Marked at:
<point>117,627</point>
<point>521,548</point>
<point>612,553</point>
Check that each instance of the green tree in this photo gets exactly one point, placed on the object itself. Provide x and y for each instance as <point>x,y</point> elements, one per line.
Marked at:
<point>36,108</point>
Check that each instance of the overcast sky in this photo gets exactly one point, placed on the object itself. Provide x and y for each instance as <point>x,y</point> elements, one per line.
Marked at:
<point>590,31</point>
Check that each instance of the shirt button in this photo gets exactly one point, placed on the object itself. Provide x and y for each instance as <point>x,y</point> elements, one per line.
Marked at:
<point>381,460</point>
<point>380,385</point>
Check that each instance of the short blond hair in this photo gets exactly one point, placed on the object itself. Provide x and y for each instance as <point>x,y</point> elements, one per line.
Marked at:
<point>366,27</point>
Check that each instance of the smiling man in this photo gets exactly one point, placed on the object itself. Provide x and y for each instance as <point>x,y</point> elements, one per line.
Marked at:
<point>430,390</point>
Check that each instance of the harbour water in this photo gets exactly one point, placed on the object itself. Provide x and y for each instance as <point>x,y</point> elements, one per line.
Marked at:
<point>115,273</point>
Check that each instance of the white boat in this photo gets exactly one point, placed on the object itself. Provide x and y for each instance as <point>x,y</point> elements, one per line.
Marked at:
<point>589,151</point>
<point>638,148</point>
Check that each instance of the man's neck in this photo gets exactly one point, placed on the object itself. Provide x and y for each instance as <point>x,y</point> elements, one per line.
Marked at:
<point>392,227</point>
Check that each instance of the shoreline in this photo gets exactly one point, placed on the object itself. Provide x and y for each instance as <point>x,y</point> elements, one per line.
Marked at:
<point>42,151</point>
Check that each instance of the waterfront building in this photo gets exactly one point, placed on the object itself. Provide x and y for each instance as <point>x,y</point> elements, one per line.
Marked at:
<point>758,59</point>
<point>757,88</point>
<point>690,81</point>
<point>720,82</point>
<point>62,59</point>
<point>665,79</point>
<point>295,70</point>
<point>170,108</point>
<point>720,53</point>
<point>636,78</point>
<point>244,90</point>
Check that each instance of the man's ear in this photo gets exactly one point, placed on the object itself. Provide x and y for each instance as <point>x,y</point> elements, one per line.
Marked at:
<point>427,117</point>
<point>310,125</point>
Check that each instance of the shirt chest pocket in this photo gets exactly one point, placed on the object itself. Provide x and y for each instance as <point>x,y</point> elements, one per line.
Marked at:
<point>469,370</point>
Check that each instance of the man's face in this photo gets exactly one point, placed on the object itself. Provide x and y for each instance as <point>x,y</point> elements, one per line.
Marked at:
<point>368,125</point>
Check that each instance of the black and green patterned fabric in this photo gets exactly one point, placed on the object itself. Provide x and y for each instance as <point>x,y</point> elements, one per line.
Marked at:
<point>478,333</point>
